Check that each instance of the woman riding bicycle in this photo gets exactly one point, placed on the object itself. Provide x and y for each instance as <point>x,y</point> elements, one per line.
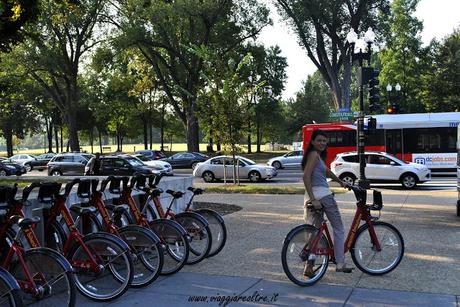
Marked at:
<point>318,194</point>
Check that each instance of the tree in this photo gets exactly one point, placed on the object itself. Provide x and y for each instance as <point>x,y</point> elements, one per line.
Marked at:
<point>165,30</point>
<point>14,14</point>
<point>441,81</point>
<point>403,60</point>
<point>312,104</point>
<point>321,27</point>
<point>54,51</point>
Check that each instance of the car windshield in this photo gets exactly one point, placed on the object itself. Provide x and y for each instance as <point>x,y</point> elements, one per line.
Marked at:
<point>398,160</point>
<point>247,161</point>
<point>134,161</point>
<point>142,158</point>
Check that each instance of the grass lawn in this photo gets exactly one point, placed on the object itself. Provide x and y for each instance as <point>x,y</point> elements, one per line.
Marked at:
<point>261,189</point>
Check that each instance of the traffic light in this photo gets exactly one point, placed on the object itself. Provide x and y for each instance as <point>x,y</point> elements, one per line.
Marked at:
<point>371,125</point>
<point>395,107</point>
<point>390,109</point>
<point>374,99</point>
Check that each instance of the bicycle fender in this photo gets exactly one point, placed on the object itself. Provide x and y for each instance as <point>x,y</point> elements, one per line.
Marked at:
<point>193,215</point>
<point>9,279</point>
<point>145,231</point>
<point>216,214</point>
<point>170,223</point>
<point>107,236</point>
<point>60,258</point>
<point>295,229</point>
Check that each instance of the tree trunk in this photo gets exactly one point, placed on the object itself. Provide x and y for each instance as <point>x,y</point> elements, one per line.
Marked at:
<point>346,84</point>
<point>56,137</point>
<point>91,139</point>
<point>100,140</point>
<point>62,140</point>
<point>73,131</point>
<point>151,136</point>
<point>145,127</point>
<point>49,134</point>
<point>258,135</point>
<point>162,126</point>
<point>218,146</point>
<point>8,134</point>
<point>192,132</point>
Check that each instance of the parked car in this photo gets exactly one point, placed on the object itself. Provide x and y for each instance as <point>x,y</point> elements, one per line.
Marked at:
<point>380,167</point>
<point>68,164</point>
<point>23,159</point>
<point>247,169</point>
<point>291,159</point>
<point>124,165</point>
<point>41,161</point>
<point>163,166</point>
<point>154,154</point>
<point>8,168</point>
<point>186,159</point>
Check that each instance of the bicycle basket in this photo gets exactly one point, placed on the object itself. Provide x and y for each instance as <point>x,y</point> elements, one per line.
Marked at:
<point>378,201</point>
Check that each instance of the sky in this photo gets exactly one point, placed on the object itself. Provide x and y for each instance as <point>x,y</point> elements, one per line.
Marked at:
<point>439,17</point>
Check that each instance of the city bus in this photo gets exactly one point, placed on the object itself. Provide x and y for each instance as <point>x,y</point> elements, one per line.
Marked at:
<point>458,170</point>
<point>425,138</point>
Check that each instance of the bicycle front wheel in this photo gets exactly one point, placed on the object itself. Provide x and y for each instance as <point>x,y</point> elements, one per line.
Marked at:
<point>147,254</point>
<point>54,283</point>
<point>9,290</point>
<point>296,254</point>
<point>217,228</point>
<point>199,236</point>
<point>174,244</point>
<point>114,271</point>
<point>365,254</point>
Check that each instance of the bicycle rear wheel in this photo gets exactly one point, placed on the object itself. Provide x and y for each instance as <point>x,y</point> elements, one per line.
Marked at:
<point>217,228</point>
<point>114,273</point>
<point>147,254</point>
<point>54,281</point>
<point>199,236</point>
<point>295,254</point>
<point>9,290</point>
<point>173,239</point>
<point>371,261</point>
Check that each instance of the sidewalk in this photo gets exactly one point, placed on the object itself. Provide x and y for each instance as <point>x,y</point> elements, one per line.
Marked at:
<point>182,288</point>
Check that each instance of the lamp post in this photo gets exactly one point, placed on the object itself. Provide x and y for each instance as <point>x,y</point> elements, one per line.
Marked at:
<point>359,53</point>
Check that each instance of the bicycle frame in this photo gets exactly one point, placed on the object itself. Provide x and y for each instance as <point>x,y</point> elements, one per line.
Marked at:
<point>97,201</point>
<point>362,214</point>
<point>60,208</point>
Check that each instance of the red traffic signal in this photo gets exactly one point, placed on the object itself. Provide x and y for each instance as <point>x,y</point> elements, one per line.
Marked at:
<point>390,110</point>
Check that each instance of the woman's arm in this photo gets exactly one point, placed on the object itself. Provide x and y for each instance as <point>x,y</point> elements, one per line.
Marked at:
<point>311,163</point>
<point>331,175</point>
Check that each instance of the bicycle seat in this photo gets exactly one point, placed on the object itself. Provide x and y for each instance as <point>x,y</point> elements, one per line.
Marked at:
<point>175,194</point>
<point>156,191</point>
<point>195,191</point>
<point>82,210</point>
<point>117,208</point>
<point>24,221</point>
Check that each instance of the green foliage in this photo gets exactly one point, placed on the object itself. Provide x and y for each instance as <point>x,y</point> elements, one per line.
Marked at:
<point>14,14</point>
<point>404,59</point>
<point>312,104</point>
<point>441,81</point>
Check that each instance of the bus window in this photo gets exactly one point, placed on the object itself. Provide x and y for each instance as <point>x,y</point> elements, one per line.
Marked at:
<point>341,138</point>
<point>432,140</point>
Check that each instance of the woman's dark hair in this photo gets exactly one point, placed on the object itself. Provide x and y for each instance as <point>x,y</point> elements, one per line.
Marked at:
<point>310,148</point>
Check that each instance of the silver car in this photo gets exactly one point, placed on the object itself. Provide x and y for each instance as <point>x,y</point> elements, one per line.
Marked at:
<point>215,168</point>
<point>292,159</point>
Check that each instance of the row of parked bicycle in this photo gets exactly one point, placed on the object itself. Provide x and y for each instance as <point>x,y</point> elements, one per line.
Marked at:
<point>100,249</point>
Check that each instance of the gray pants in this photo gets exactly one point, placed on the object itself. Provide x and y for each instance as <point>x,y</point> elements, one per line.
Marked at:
<point>333,214</point>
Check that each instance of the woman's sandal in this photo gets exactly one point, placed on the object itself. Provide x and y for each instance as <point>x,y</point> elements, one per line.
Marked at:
<point>308,271</point>
<point>344,269</point>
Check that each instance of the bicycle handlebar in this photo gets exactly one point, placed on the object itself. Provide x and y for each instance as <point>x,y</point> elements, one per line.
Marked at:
<point>69,186</point>
<point>115,179</point>
<point>28,189</point>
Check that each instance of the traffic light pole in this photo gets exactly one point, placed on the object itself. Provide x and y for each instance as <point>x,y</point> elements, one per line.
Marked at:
<point>361,137</point>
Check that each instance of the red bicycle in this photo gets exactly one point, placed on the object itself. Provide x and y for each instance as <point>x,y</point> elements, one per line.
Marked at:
<point>376,247</point>
<point>43,275</point>
<point>173,237</point>
<point>102,262</point>
<point>145,246</point>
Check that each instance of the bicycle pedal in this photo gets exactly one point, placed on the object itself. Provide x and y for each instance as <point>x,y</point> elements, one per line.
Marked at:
<point>374,218</point>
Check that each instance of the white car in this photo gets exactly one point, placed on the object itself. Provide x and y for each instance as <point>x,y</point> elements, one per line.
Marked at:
<point>162,166</point>
<point>291,159</point>
<point>214,169</point>
<point>380,167</point>
<point>24,160</point>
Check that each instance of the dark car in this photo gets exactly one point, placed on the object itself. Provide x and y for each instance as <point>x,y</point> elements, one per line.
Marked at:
<point>8,168</point>
<point>124,165</point>
<point>68,164</point>
<point>186,159</point>
<point>41,161</point>
<point>154,154</point>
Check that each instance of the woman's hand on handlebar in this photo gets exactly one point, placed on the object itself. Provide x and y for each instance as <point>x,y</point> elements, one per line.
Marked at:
<point>316,204</point>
